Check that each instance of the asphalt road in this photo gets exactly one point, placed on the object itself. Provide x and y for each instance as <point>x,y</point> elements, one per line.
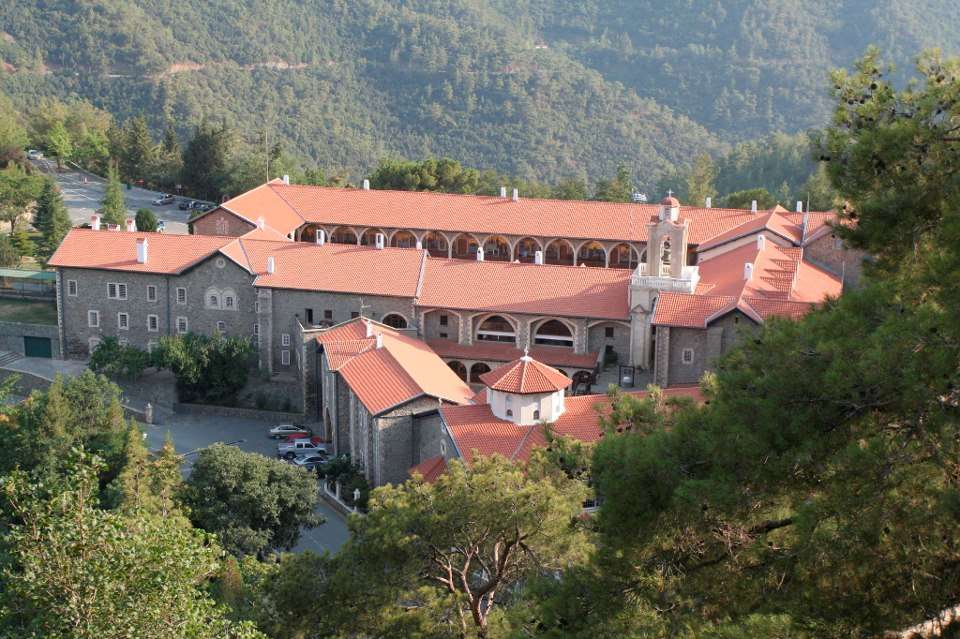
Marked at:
<point>83,198</point>
<point>191,433</point>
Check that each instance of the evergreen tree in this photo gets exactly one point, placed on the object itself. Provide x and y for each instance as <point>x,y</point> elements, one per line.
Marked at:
<point>146,220</point>
<point>51,219</point>
<point>206,162</point>
<point>570,188</point>
<point>700,181</point>
<point>25,245</point>
<point>617,189</point>
<point>114,208</point>
<point>9,255</point>
<point>139,151</point>
<point>171,142</point>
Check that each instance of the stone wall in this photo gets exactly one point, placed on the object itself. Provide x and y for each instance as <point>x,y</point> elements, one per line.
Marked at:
<point>12,334</point>
<point>274,417</point>
<point>396,440</point>
<point>828,253</point>
<point>221,222</point>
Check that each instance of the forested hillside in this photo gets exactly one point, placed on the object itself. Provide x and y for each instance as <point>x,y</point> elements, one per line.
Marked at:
<point>539,89</point>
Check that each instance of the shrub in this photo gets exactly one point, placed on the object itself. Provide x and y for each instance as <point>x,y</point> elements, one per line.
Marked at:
<point>208,369</point>
<point>146,220</point>
<point>112,359</point>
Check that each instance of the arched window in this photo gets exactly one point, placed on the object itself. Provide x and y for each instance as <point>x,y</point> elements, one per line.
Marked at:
<point>553,333</point>
<point>405,239</point>
<point>309,233</point>
<point>623,256</point>
<point>436,244</point>
<point>395,320</point>
<point>211,299</point>
<point>465,247</point>
<point>228,300</point>
<point>665,252</point>
<point>459,369</point>
<point>496,249</point>
<point>496,329</point>
<point>592,254</point>
<point>476,371</point>
<point>343,235</point>
<point>526,250</point>
<point>369,237</point>
<point>559,252</point>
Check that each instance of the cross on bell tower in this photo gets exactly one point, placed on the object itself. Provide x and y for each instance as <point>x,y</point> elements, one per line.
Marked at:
<point>363,307</point>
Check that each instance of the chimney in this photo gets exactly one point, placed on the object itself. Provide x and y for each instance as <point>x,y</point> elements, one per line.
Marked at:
<point>271,265</point>
<point>516,195</point>
<point>753,206</point>
<point>747,271</point>
<point>369,328</point>
<point>321,237</point>
<point>803,226</point>
<point>142,250</point>
<point>479,253</point>
<point>538,257</point>
<point>708,203</point>
<point>799,206</point>
<point>95,222</point>
<point>131,225</point>
<point>503,192</point>
<point>761,242</point>
<point>286,179</point>
<point>261,223</point>
<point>379,240</point>
<point>366,185</point>
<point>379,340</point>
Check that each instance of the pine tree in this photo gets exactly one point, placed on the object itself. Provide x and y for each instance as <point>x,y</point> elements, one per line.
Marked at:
<point>166,478</point>
<point>139,151</point>
<point>171,143</point>
<point>700,180</point>
<point>114,208</point>
<point>133,483</point>
<point>51,219</point>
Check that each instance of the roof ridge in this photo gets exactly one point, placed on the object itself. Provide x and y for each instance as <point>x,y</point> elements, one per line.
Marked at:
<point>523,440</point>
<point>285,200</point>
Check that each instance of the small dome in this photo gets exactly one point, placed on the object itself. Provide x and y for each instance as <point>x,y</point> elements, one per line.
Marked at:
<point>670,201</point>
<point>525,376</point>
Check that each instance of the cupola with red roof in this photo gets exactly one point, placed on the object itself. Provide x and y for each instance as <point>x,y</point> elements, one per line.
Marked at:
<point>526,391</point>
<point>669,208</point>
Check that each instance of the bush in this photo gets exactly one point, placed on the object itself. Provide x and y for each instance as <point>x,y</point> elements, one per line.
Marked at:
<point>9,255</point>
<point>146,220</point>
<point>208,369</point>
<point>112,359</point>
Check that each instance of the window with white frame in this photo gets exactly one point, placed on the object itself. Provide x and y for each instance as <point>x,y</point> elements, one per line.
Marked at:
<point>151,293</point>
<point>123,321</point>
<point>212,298</point>
<point>181,295</point>
<point>153,323</point>
<point>92,343</point>
<point>72,288</point>
<point>229,299</point>
<point>116,291</point>
<point>93,319</point>
<point>686,356</point>
<point>222,328</point>
<point>285,339</point>
<point>182,325</point>
<point>284,358</point>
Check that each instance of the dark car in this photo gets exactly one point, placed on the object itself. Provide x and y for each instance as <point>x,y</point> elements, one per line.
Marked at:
<point>186,205</point>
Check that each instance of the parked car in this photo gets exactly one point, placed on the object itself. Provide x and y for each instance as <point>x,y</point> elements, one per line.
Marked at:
<point>33,154</point>
<point>197,205</point>
<point>299,448</point>
<point>287,430</point>
<point>310,462</point>
<point>166,198</point>
<point>315,439</point>
<point>186,205</point>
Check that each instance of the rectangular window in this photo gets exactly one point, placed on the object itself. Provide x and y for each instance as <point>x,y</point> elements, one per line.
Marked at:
<point>222,328</point>
<point>443,336</point>
<point>72,288</point>
<point>354,314</point>
<point>256,329</point>
<point>328,315</point>
<point>151,293</point>
<point>181,295</point>
<point>284,358</point>
<point>687,356</point>
<point>608,331</point>
<point>123,321</point>
<point>93,319</point>
<point>116,291</point>
<point>228,302</point>
<point>153,323</point>
<point>308,314</point>
<point>256,306</point>
<point>285,339</point>
<point>182,325</point>
<point>443,320</point>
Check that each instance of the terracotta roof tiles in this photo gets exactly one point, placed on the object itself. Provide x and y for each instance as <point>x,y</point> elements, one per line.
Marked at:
<point>525,376</point>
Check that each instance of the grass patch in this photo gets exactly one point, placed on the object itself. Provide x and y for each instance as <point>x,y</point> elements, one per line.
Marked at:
<point>28,311</point>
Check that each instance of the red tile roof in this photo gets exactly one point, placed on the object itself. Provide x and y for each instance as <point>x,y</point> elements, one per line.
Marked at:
<point>285,207</point>
<point>774,221</point>
<point>498,352</point>
<point>117,251</point>
<point>525,376</point>
<point>475,428</point>
<point>567,291</point>
<point>403,369</point>
<point>430,469</point>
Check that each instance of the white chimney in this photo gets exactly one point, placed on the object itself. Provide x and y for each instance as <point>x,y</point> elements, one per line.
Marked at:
<point>369,328</point>
<point>419,245</point>
<point>803,226</point>
<point>709,202</point>
<point>538,257</point>
<point>321,237</point>
<point>753,206</point>
<point>261,223</point>
<point>379,240</point>
<point>95,222</point>
<point>286,179</point>
<point>271,265</point>
<point>379,340</point>
<point>516,195</point>
<point>479,253</point>
<point>761,242</point>
<point>131,225</point>
<point>366,185</point>
<point>747,271</point>
<point>142,250</point>
<point>799,206</point>
<point>503,191</point>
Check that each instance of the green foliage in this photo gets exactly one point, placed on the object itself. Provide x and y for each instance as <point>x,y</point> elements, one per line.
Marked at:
<point>700,181</point>
<point>9,254</point>
<point>13,135</point>
<point>117,360</point>
<point>135,150</point>
<point>22,241</point>
<point>59,143</point>
<point>205,170</point>
<point>51,219</point>
<point>114,208</point>
<point>208,369</point>
<point>616,189</point>
<point>146,220</point>
<point>19,188</point>
<point>77,122</point>
<point>76,570</point>
<point>443,175</point>
<point>744,199</point>
<point>253,503</point>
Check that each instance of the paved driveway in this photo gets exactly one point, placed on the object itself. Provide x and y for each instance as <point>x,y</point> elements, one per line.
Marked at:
<point>190,433</point>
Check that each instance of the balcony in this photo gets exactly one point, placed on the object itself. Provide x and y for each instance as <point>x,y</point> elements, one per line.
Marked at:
<point>686,283</point>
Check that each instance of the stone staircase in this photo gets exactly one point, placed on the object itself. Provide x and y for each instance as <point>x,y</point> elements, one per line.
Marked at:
<point>9,357</point>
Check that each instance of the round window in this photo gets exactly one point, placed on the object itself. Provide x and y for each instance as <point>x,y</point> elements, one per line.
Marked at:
<point>221,262</point>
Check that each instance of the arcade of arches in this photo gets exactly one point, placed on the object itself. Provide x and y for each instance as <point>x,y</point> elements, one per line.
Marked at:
<point>343,235</point>
<point>465,247</point>
<point>496,329</point>
<point>405,239</point>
